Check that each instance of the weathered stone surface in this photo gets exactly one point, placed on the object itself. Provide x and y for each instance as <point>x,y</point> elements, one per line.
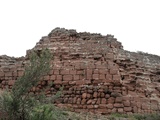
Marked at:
<point>97,74</point>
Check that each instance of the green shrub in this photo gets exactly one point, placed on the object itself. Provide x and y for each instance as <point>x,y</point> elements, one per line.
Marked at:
<point>17,102</point>
<point>42,112</point>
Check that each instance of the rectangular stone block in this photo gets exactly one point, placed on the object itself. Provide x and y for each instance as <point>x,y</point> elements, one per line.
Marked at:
<point>72,72</point>
<point>108,77</point>
<point>1,74</point>
<point>102,76</point>
<point>80,72</point>
<point>80,82</point>
<point>52,77</point>
<point>56,72</point>
<point>8,73</point>
<point>109,106</point>
<point>113,71</point>
<point>89,71</point>
<point>126,103</point>
<point>76,77</point>
<point>57,82</point>
<point>127,109</point>
<point>116,77</point>
<point>95,76</point>
<point>59,77</point>
<point>64,72</point>
<point>103,71</point>
<point>67,77</point>
<point>118,105</point>
<point>118,99</point>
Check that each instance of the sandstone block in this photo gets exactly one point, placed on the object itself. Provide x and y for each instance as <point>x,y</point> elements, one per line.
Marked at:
<point>101,76</point>
<point>72,72</point>
<point>126,103</point>
<point>95,76</point>
<point>120,110</point>
<point>116,77</point>
<point>89,102</point>
<point>76,77</point>
<point>109,106</point>
<point>103,71</point>
<point>56,72</point>
<point>52,77</point>
<point>113,71</point>
<point>83,101</point>
<point>8,74</point>
<point>118,100</point>
<point>59,77</point>
<point>118,105</point>
<point>95,94</point>
<point>1,74</point>
<point>67,77</point>
<point>64,72</point>
<point>127,109</point>
<point>90,106</point>
<point>103,101</point>
<point>109,77</point>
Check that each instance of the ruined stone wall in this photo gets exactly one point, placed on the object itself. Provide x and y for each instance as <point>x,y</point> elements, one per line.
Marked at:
<point>97,74</point>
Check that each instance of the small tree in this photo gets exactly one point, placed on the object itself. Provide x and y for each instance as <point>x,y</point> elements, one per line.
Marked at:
<point>17,102</point>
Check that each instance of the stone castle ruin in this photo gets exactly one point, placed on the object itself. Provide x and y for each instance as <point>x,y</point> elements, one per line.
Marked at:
<point>98,75</point>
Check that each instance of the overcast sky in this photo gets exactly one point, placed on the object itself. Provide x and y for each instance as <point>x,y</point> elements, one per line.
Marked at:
<point>135,23</point>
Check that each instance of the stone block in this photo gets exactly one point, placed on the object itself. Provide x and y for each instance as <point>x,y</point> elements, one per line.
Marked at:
<point>72,72</point>
<point>59,77</point>
<point>76,77</point>
<point>1,74</point>
<point>120,110</point>
<point>56,72</point>
<point>64,72</point>
<point>116,77</point>
<point>103,101</point>
<point>109,106</point>
<point>118,99</point>
<point>118,105</point>
<point>67,77</point>
<point>113,71</point>
<point>102,76</point>
<point>126,103</point>
<point>8,74</point>
<point>127,109</point>
<point>95,76</point>
<point>109,77</point>
<point>52,77</point>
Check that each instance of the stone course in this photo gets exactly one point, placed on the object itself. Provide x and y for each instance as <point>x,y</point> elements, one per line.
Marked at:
<point>98,75</point>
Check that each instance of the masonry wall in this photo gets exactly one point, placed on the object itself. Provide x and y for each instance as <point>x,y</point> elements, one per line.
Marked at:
<point>97,74</point>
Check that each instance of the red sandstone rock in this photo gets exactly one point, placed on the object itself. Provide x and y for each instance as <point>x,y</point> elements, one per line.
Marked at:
<point>127,109</point>
<point>118,105</point>
<point>110,106</point>
<point>84,95</point>
<point>103,101</point>
<point>120,110</point>
<point>67,77</point>
<point>126,103</point>
<point>85,64</point>
<point>118,99</point>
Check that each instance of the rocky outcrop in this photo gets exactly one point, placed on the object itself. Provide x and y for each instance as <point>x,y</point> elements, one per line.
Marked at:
<point>97,74</point>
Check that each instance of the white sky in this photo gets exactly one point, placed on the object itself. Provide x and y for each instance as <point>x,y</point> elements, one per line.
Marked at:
<point>135,23</point>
